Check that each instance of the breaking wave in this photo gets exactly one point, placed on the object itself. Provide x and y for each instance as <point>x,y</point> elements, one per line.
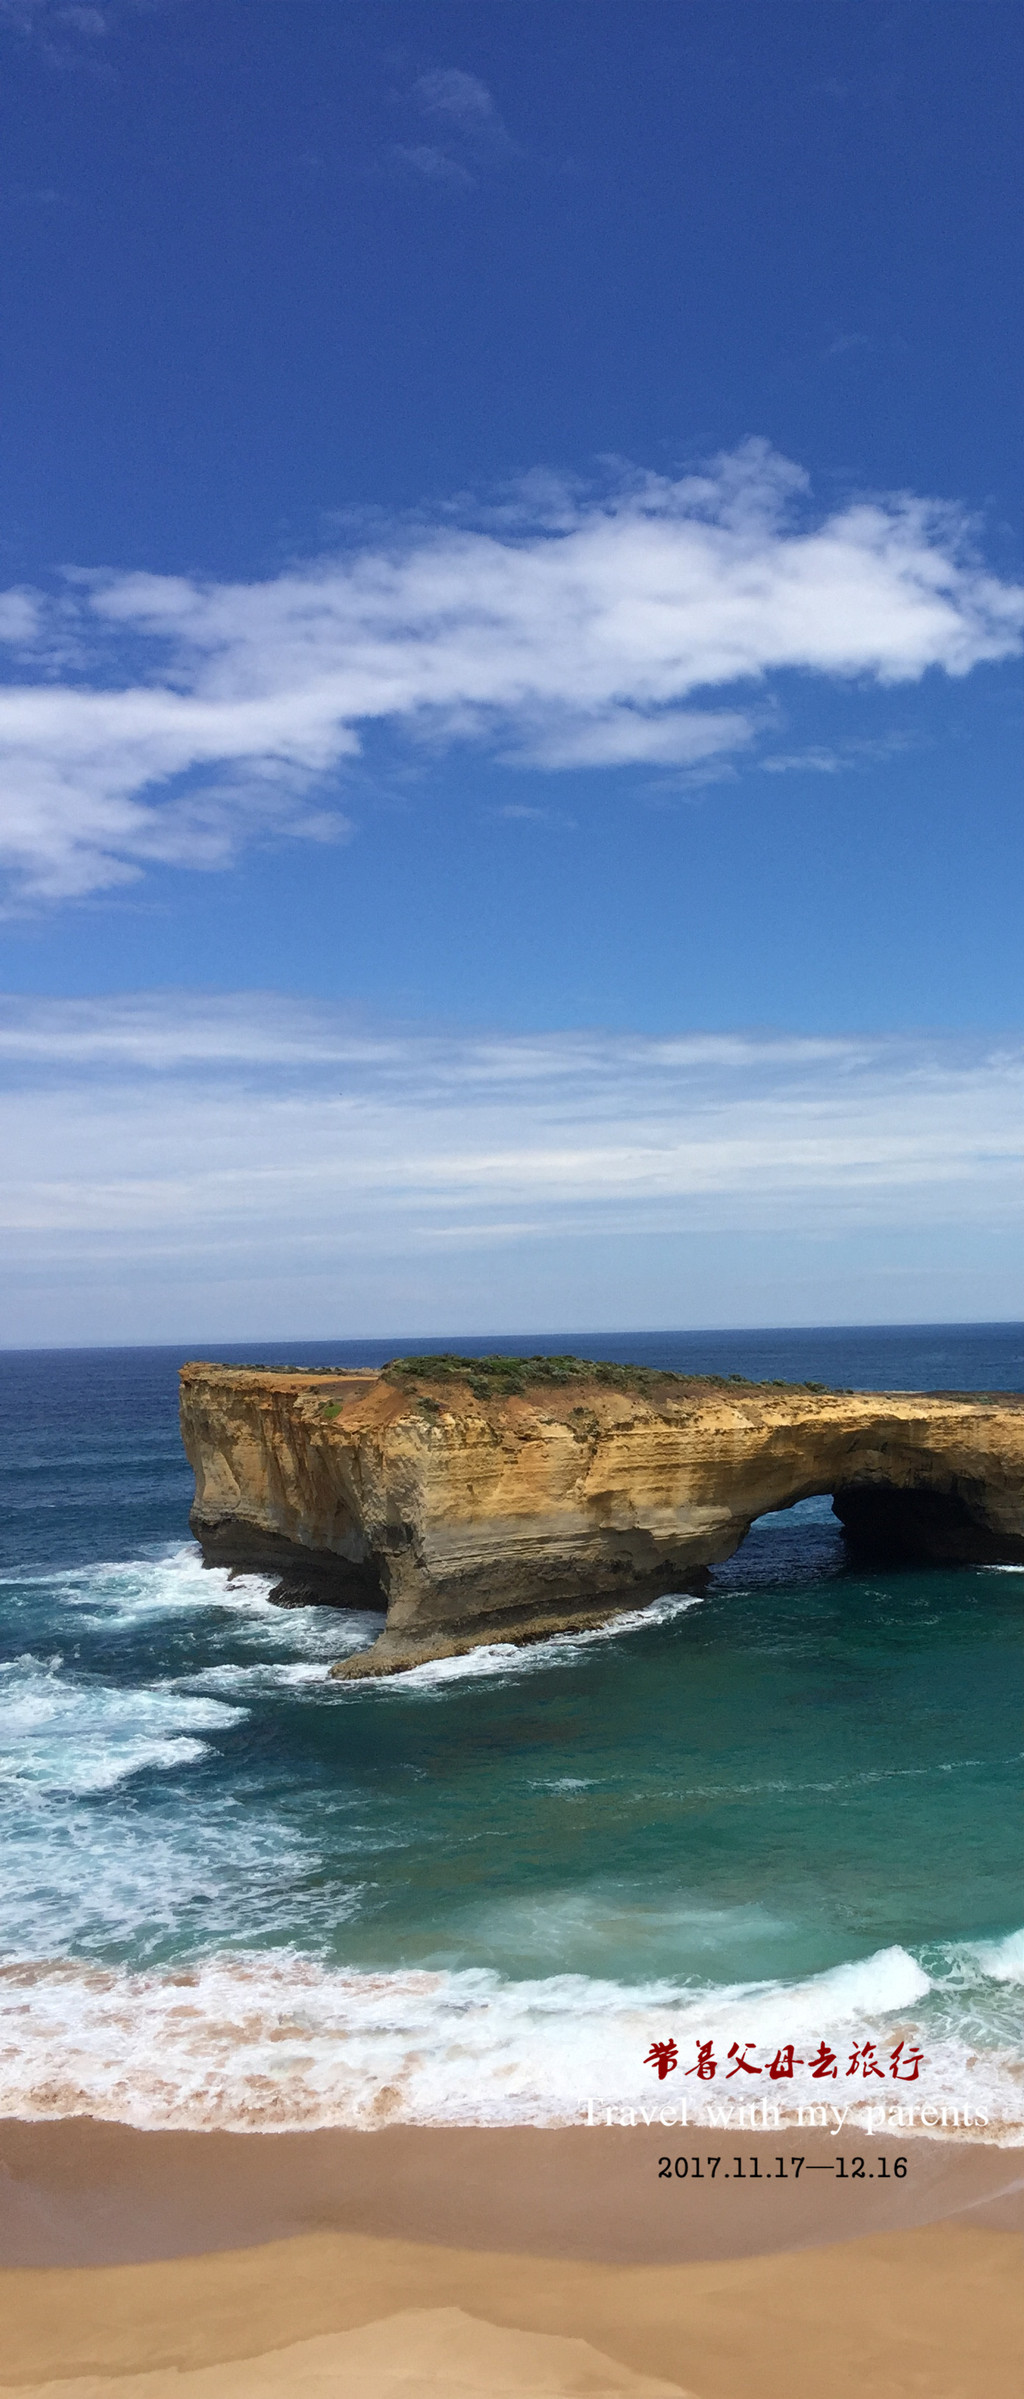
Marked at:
<point>514,1659</point>
<point>275,2041</point>
<point>62,1733</point>
<point>175,1913</point>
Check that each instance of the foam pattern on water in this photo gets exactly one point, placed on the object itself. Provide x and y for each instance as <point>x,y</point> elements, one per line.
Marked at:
<point>175,1584</point>
<point>513,1659</point>
<point>204,1836</point>
<point>62,1734</point>
<point>274,2041</point>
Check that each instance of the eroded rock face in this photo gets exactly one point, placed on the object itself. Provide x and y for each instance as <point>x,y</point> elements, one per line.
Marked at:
<point>471,1517</point>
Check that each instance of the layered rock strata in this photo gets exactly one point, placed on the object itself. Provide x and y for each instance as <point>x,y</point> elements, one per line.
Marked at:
<point>474,1513</point>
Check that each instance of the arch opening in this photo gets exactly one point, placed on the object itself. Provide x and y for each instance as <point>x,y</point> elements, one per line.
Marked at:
<point>799,1542</point>
<point>890,1525</point>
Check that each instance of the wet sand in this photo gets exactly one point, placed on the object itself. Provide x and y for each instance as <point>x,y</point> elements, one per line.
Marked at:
<point>411,2261</point>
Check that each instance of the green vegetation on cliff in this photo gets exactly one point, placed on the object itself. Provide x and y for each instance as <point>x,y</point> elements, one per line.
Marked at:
<point>500,1377</point>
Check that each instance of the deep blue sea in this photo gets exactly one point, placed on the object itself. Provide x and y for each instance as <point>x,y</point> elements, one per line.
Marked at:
<point>234,1892</point>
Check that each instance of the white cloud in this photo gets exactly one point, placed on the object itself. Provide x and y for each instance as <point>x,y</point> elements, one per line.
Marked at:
<point>19,617</point>
<point>450,93</point>
<point>424,158</point>
<point>820,759</point>
<point>92,22</point>
<point>471,135</point>
<point>253,1145</point>
<point>64,34</point>
<point>596,641</point>
<point>39,16</point>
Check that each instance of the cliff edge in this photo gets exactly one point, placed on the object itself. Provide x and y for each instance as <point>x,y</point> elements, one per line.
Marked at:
<point>484,1500</point>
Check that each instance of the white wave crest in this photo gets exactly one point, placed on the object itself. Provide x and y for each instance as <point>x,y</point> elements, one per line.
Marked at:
<point>228,1610</point>
<point>272,2040</point>
<point>870,1987</point>
<point>132,1589</point>
<point>1002,1961</point>
<point>270,1675</point>
<point>513,1658</point>
<point>122,1592</point>
<point>61,1732</point>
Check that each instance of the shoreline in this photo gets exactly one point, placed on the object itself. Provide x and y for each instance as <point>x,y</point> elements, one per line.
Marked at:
<point>277,2040</point>
<point>212,2265</point>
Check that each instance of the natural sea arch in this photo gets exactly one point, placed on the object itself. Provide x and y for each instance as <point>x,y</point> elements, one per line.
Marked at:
<point>510,1500</point>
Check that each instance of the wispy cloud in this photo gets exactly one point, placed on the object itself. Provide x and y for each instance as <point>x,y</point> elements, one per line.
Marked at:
<point>44,18</point>
<point>20,618</point>
<point>424,158</point>
<point>464,103</point>
<point>62,33</point>
<point>255,1164</point>
<point>249,1137</point>
<point>170,719</point>
<point>94,23</point>
<point>520,812</point>
<point>469,138</point>
<point>835,758</point>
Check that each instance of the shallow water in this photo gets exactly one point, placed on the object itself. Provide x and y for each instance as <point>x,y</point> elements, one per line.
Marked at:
<point>234,1891</point>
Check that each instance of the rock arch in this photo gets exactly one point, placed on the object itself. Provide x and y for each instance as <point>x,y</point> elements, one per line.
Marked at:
<point>480,1507</point>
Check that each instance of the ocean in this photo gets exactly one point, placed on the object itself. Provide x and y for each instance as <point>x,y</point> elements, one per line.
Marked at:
<point>234,1893</point>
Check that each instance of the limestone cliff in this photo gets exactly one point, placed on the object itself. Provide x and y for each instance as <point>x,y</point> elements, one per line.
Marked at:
<point>479,1504</point>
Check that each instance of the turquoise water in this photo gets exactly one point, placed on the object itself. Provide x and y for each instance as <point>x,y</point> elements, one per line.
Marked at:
<point>234,1891</point>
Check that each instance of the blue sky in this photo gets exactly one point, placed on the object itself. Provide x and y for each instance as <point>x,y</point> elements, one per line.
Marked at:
<point>511,555</point>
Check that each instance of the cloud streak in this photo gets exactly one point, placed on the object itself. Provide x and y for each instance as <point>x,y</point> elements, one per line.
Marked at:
<point>630,628</point>
<point>254,1141</point>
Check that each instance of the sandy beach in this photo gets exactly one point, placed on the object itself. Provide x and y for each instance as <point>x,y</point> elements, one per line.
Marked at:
<point>409,2261</point>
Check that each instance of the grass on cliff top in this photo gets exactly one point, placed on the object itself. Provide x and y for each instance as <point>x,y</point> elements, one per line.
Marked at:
<point>508,1378</point>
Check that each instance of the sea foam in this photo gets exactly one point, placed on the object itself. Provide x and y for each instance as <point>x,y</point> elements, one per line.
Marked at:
<point>512,1658</point>
<point>222,2020</point>
<point>273,2041</point>
<point>64,1733</point>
